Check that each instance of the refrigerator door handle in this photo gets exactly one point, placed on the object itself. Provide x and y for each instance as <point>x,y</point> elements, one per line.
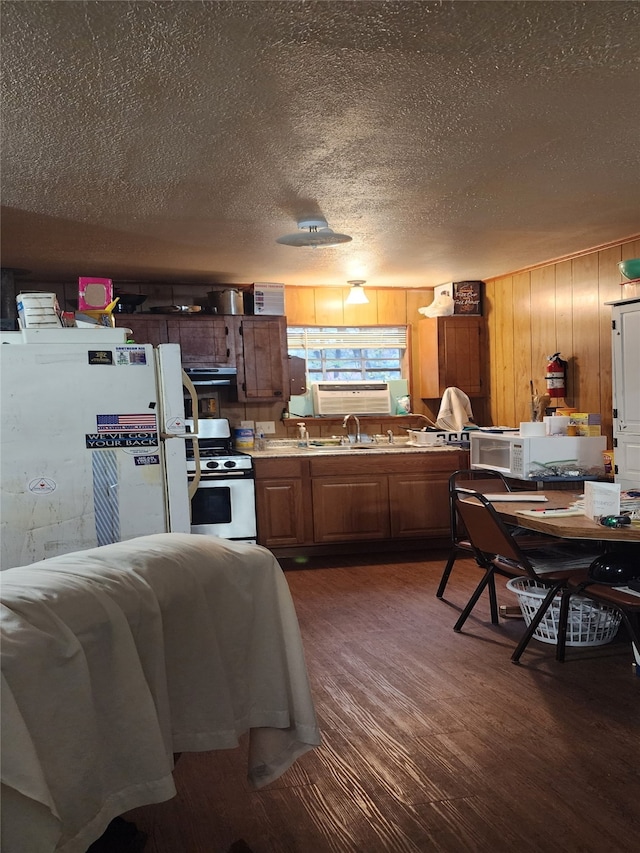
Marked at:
<point>191,388</point>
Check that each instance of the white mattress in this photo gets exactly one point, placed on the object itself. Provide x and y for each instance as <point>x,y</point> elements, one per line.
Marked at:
<point>116,657</point>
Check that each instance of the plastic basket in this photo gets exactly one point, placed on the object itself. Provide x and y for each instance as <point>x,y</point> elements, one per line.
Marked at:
<point>589,624</point>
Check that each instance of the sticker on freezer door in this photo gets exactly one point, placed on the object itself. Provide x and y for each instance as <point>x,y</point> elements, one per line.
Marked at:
<point>126,423</point>
<point>100,356</point>
<point>42,486</point>
<point>147,459</point>
<point>131,355</point>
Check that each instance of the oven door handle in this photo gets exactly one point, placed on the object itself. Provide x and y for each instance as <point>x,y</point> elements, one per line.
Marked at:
<point>191,388</point>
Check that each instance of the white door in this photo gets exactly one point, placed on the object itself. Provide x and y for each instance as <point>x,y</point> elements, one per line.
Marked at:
<point>626,368</point>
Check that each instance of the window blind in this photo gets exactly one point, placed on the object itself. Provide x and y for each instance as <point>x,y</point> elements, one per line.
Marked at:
<point>362,337</point>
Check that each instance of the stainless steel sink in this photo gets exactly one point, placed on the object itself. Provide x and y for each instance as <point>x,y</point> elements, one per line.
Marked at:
<point>339,448</point>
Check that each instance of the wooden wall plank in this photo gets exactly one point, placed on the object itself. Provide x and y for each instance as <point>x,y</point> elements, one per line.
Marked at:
<point>564,324</point>
<point>586,333</point>
<point>498,309</point>
<point>329,306</point>
<point>543,323</point>
<point>392,305</point>
<point>300,305</point>
<point>360,315</point>
<point>519,404</point>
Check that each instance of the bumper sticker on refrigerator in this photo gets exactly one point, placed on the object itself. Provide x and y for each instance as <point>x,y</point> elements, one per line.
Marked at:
<point>105,497</point>
<point>103,440</point>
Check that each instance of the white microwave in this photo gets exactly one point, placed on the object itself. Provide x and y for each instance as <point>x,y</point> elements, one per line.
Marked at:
<point>521,457</point>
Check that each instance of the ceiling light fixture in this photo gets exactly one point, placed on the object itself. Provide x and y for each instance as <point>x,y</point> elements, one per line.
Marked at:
<point>356,296</point>
<point>315,233</point>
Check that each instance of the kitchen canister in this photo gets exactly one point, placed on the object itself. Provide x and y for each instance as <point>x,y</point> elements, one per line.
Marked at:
<point>243,438</point>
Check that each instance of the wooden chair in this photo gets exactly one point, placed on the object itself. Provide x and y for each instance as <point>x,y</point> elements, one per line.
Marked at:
<point>486,482</point>
<point>499,552</point>
<point>628,605</point>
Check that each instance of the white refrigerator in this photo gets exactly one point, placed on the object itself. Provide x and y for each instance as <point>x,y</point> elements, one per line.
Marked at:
<point>92,447</point>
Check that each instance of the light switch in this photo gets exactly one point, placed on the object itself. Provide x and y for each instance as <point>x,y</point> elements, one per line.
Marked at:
<point>266,427</point>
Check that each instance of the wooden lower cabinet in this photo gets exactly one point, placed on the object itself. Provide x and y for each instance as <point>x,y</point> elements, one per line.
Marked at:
<point>351,509</point>
<point>335,499</point>
<point>419,504</point>
<point>283,502</point>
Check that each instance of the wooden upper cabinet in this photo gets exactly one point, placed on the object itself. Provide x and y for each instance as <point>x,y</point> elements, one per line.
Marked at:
<point>145,328</point>
<point>257,346</point>
<point>452,354</point>
<point>261,358</point>
<point>203,340</point>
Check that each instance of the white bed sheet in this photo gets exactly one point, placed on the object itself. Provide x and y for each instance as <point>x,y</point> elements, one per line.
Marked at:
<point>117,657</point>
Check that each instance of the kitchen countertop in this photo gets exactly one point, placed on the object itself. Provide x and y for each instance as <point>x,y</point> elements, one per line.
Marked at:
<point>275,450</point>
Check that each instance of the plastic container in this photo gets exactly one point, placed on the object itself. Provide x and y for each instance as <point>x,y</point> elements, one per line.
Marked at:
<point>38,310</point>
<point>589,624</point>
<point>243,438</point>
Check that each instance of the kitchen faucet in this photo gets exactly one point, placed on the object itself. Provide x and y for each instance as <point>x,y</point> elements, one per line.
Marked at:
<point>424,417</point>
<point>357,420</point>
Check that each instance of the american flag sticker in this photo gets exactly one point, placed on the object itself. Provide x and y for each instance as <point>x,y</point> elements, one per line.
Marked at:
<point>126,423</point>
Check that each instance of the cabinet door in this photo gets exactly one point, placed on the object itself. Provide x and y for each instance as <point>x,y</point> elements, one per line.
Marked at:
<point>280,509</point>
<point>451,355</point>
<point>146,329</point>
<point>261,357</point>
<point>203,340</point>
<point>350,510</point>
<point>419,504</point>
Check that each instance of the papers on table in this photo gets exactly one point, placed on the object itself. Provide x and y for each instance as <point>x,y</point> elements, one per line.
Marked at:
<point>517,496</point>
<point>550,513</point>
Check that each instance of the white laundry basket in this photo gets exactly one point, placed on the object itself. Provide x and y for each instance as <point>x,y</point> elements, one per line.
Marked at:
<point>589,624</point>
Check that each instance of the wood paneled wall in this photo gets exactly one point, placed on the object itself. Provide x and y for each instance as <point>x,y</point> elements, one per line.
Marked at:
<point>557,307</point>
<point>530,314</point>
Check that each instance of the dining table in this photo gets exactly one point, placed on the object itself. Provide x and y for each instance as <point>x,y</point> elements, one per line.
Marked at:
<point>576,527</point>
<point>563,526</point>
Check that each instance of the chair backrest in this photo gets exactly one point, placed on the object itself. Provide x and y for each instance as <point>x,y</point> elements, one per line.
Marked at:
<point>488,535</point>
<point>478,480</point>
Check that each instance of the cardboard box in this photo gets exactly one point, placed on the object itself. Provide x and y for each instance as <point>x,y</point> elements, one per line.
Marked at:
<point>94,294</point>
<point>268,298</point>
<point>584,429</point>
<point>586,418</point>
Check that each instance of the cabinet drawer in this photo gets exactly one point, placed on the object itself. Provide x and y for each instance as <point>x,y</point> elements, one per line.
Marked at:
<point>279,468</point>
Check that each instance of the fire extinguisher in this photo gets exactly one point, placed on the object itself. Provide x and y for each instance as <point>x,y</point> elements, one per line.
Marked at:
<point>556,376</point>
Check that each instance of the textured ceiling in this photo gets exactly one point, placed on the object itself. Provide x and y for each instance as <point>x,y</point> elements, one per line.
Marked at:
<point>175,141</point>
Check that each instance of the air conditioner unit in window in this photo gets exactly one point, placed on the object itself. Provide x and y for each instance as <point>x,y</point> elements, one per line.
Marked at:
<point>357,397</point>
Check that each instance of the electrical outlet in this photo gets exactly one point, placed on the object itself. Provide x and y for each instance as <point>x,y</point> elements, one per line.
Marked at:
<point>266,427</point>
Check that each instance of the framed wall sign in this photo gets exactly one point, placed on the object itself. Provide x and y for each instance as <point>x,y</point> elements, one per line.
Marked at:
<point>467,296</point>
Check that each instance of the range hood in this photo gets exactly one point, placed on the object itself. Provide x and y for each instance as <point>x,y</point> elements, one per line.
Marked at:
<point>207,377</point>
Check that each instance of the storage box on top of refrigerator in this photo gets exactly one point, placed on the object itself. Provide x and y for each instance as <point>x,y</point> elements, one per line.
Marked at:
<point>93,448</point>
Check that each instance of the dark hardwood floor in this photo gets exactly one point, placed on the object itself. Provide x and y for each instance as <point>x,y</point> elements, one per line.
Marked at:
<point>433,741</point>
